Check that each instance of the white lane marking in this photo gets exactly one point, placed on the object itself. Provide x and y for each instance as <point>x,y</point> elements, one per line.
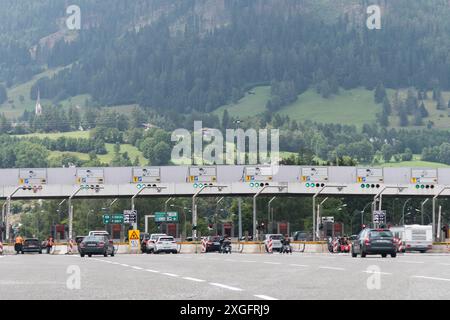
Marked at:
<point>124,265</point>
<point>331,268</point>
<point>225,286</point>
<point>431,278</point>
<point>150,270</point>
<point>215,259</point>
<point>137,268</point>
<point>261,296</point>
<point>299,265</point>
<point>414,262</point>
<point>249,261</point>
<point>377,272</point>
<point>171,274</point>
<point>194,279</point>
<point>115,263</point>
<point>444,264</point>
<point>230,260</point>
<point>272,262</point>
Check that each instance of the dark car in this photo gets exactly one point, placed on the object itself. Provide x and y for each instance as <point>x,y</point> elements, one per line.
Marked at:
<point>302,236</point>
<point>374,241</point>
<point>96,245</point>
<point>31,245</point>
<point>213,244</point>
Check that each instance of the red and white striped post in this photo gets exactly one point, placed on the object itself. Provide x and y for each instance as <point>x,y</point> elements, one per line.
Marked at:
<point>270,246</point>
<point>204,245</point>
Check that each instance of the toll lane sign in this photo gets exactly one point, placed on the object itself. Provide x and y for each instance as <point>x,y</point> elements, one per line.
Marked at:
<point>370,175</point>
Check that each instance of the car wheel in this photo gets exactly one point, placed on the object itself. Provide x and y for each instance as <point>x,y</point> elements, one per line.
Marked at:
<point>363,254</point>
<point>23,252</point>
<point>354,255</point>
<point>394,254</point>
<point>82,255</point>
<point>384,255</point>
<point>89,255</point>
<point>40,252</point>
<point>112,253</point>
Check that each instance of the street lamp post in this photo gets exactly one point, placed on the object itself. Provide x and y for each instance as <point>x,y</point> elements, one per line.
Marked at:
<point>422,204</point>
<point>403,211</point>
<point>158,189</point>
<point>270,221</point>
<point>184,217</point>
<point>194,208</point>
<point>314,205</point>
<point>280,188</point>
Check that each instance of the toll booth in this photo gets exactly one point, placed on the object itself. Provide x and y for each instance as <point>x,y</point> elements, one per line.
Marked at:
<point>172,229</point>
<point>116,231</point>
<point>227,229</point>
<point>283,228</point>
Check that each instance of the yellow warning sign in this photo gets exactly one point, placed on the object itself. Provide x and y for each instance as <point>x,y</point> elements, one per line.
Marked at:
<point>133,235</point>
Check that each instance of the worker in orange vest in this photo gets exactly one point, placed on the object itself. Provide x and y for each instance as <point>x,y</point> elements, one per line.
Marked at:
<point>18,244</point>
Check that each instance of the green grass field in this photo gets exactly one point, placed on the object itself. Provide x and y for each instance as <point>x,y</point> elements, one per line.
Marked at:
<point>15,106</point>
<point>132,151</point>
<point>352,107</point>
<point>250,105</point>
<point>70,134</point>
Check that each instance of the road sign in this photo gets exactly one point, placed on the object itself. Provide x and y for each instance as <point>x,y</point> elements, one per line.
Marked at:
<point>146,175</point>
<point>202,174</point>
<point>328,219</point>
<point>113,218</point>
<point>314,174</point>
<point>258,174</point>
<point>379,216</point>
<point>134,238</point>
<point>369,175</point>
<point>32,176</point>
<point>94,176</point>
<point>172,217</point>
<point>424,176</point>
<point>130,216</point>
<point>166,216</point>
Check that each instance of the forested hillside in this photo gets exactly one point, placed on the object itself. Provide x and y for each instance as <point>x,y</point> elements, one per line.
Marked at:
<point>186,55</point>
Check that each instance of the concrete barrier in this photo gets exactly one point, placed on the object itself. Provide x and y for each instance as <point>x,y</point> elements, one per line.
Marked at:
<point>237,247</point>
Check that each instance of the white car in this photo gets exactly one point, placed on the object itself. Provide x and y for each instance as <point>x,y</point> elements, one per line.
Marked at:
<point>414,237</point>
<point>276,241</point>
<point>99,233</point>
<point>166,244</point>
<point>151,242</point>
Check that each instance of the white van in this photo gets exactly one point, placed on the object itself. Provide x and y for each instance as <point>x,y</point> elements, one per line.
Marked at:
<point>414,237</point>
<point>276,241</point>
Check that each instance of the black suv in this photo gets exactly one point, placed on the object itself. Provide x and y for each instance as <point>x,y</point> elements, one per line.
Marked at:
<point>374,241</point>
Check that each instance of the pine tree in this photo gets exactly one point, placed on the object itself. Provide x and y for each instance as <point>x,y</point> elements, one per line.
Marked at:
<point>380,93</point>
<point>387,108</point>
<point>403,117</point>
<point>423,110</point>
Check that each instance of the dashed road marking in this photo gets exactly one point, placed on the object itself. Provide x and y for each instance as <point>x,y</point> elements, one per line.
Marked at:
<point>225,286</point>
<point>272,262</point>
<point>264,297</point>
<point>194,279</point>
<point>171,275</point>
<point>332,268</point>
<point>137,268</point>
<point>412,262</point>
<point>431,278</point>
<point>124,265</point>
<point>299,265</point>
<point>377,272</point>
<point>150,270</point>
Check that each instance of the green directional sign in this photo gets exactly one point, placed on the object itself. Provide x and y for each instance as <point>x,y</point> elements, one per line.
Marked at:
<point>113,218</point>
<point>172,217</point>
<point>166,216</point>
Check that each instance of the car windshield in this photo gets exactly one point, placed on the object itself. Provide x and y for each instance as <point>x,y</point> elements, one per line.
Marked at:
<point>94,238</point>
<point>276,237</point>
<point>31,241</point>
<point>214,239</point>
<point>156,236</point>
<point>166,239</point>
<point>381,234</point>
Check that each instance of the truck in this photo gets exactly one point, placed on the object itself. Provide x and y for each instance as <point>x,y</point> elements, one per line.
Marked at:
<point>414,237</point>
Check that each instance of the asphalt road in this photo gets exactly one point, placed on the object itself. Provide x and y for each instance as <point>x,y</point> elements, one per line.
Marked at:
<point>215,276</point>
